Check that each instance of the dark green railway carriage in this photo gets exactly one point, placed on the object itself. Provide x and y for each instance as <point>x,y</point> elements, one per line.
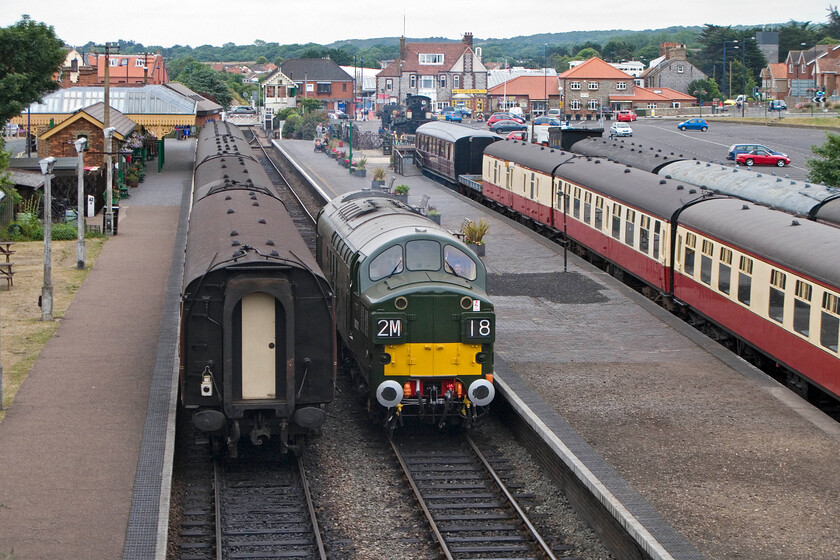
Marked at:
<point>411,308</point>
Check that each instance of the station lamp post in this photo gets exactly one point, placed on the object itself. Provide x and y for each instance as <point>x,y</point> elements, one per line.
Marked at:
<point>723,80</point>
<point>47,165</point>
<point>701,95</point>
<point>109,194</point>
<point>80,144</point>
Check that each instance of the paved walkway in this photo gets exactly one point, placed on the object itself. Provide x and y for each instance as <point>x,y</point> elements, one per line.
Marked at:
<point>70,443</point>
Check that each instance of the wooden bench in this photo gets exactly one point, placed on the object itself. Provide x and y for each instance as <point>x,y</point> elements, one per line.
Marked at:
<point>6,249</point>
<point>7,273</point>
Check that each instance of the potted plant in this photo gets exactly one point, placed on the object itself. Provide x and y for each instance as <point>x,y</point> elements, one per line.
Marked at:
<point>132,178</point>
<point>402,192</point>
<point>474,233</point>
<point>433,214</point>
<point>360,170</point>
<point>378,178</point>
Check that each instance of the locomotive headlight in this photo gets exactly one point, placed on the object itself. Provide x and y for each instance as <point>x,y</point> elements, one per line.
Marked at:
<point>481,392</point>
<point>481,357</point>
<point>385,358</point>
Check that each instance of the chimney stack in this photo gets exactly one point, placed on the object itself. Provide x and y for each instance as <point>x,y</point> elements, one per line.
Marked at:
<point>468,39</point>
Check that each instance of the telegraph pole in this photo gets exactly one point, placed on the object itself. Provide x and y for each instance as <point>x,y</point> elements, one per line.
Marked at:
<point>106,123</point>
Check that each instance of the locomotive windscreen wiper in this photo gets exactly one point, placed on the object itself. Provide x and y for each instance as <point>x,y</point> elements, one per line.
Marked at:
<point>396,268</point>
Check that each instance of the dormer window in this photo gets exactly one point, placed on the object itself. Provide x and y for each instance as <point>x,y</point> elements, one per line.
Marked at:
<point>680,68</point>
<point>431,59</point>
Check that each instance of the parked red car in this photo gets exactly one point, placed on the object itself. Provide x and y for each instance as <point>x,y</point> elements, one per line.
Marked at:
<point>762,157</point>
<point>625,116</point>
<point>496,117</point>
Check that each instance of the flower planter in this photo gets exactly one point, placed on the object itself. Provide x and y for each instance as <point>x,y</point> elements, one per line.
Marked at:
<point>477,249</point>
<point>402,197</point>
<point>435,218</point>
<point>377,184</point>
<point>360,172</point>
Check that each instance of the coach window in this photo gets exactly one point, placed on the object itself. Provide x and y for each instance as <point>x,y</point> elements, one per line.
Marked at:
<point>576,204</point>
<point>644,235</point>
<point>777,295</point>
<point>422,255</point>
<point>455,261</point>
<point>690,245</point>
<point>386,263</point>
<point>656,238</point>
<point>495,172</point>
<point>599,213</point>
<point>745,280</point>
<point>725,270</point>
<point>802,308</point>
<point>616,221</point>
<point>587,207</point>
<point>706,262</point>
<point>830,323</point>
<point>630,227</point>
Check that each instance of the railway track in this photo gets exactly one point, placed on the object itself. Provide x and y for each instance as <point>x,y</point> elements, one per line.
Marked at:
<point>257,507</point>
<point>471,511</point>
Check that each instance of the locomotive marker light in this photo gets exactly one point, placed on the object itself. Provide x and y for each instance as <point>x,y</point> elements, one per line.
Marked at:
<point>80,144</point>
<point>47,165</point>
<point>481,392</point>
<point>389,393</point>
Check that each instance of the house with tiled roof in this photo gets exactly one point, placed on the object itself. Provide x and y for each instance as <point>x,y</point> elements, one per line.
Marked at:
<point>774,80</point>
<point>440,71</point>
<point>653,99</point>
<point>533,94</point>
<point>588,87</point>
<point>812,69</point>
<point>278,91</point>
<point>319,78</point>
<point>672,69</point>
<point>129,69</point>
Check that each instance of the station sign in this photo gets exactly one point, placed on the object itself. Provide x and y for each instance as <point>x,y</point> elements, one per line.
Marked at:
<point>481,91</point>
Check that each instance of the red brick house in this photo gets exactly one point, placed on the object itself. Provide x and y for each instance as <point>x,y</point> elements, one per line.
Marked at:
<point>530,93</point>
<point>84,123</point>
<point>322,79</point>
<point>588,87</point>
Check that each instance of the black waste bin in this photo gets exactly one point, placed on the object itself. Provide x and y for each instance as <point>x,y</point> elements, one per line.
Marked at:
<point>116,210</point>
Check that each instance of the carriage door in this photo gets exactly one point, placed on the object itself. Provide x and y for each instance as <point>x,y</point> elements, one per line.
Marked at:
<point>259,346</point>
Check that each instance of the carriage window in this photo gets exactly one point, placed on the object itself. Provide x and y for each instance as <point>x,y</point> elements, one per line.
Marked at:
<point>706,262</point>
<point>745,280</point>
<point>616,221</point>
<point>725,270</point>
<point>422,255</point>
<point>644,234</point>
<point>802,308</point>
<point>386,263</point>
<point>830,322</point>
<point>629,227</point>
<point>576,204</point>
<point>777,295</point>
<point>587,207</point>
<point>599,213</point>
<point>690,244</point>
<point>455,261</point>
<point>656,237</point>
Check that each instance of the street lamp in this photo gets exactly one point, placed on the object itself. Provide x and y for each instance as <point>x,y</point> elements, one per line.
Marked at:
<point>815,77</point>
<point>701,94</point>
<point>47,165</point>
<point>80,144</point>
<point>109,195</point>
<point>723,80</point>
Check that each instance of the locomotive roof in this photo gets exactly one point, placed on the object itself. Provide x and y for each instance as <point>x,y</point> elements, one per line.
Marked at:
<point>223,224</point>
<point>367,221</point>
<point>798,244</point>
<point>629,153</point>
<point>453,132</point>
<point>630,186</point>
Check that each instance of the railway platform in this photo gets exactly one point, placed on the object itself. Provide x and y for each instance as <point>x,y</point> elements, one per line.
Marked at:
<point>84,445</point>
<point>694,451</point>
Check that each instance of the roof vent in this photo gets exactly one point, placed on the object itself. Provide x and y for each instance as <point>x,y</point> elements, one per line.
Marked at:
<point>692,191</point>
<point>270,243</point>
<point>261,220</point>
<point>274,253</point>
<point>680,187</point>
<point>230,211</point>
<point>627,170</point>
<point>662,181</point>
<point>745,207</point>
<point>228,197</point>
<point>255,203</point>
<point>236,243</point>
<point>233,233</point>
<point>795,223</point>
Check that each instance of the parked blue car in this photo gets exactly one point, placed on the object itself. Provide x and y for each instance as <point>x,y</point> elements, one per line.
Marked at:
<point>694,124</point>
<point>453,116</point>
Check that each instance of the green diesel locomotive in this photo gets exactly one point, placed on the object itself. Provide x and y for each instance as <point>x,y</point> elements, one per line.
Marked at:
<point>411,308</point>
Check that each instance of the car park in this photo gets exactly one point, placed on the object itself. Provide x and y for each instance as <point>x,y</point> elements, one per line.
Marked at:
<point>501,116</point>
<point>555,113</point>
<point>694,124</point>
<point>454,116</point>
<point>465,111</point>
<point>736,149</point>
<point>507,125</point>
<point>620,129</point>
<point>518,135</point>
<point>762,157</point>
<point>626,116</point>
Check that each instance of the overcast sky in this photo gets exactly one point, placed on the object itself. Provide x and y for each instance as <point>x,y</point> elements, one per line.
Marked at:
<point>192,22</point>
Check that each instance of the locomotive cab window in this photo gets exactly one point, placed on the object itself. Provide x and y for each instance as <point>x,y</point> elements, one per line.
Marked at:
<point>456,262</point>
<point>423,255</point>
<point>386,263</point>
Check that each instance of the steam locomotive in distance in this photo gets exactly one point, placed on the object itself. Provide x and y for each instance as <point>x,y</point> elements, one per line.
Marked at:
<point>257,326</point>
<point>411,308</point>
